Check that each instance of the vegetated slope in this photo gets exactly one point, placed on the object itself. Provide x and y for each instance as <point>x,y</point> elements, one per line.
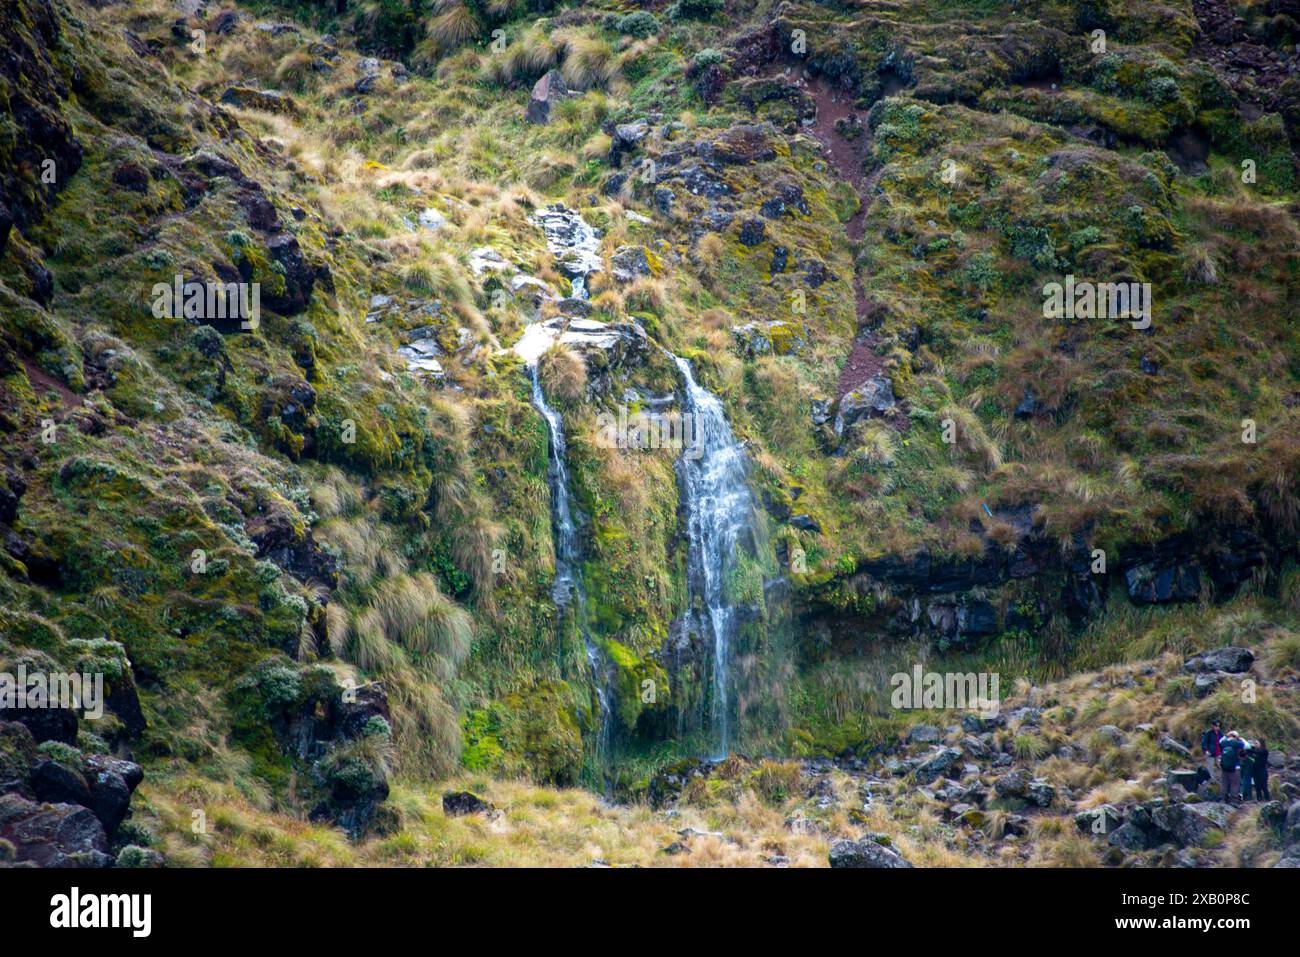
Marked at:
<point>1095,770</point>
<point>257,518</point>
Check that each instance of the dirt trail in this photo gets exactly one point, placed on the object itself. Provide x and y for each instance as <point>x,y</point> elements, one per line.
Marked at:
<point>843,131</point>
<point>42,382</point>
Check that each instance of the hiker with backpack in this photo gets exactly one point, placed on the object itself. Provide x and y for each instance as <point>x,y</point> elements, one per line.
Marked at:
<point>1211,746</point>
<point>1230,766</point>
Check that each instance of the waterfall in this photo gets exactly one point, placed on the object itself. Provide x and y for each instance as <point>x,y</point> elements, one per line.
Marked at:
<point>576,245</point>
<point>711,475</point>
<point>719,508</point>
<point>567,589</point>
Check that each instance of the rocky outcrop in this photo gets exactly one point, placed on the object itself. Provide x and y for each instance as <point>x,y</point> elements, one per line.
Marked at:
<point>61,808</point>
<point>628,263</point>
<point>39,154</point>
<point>299,277</point>
<point>53,835</point>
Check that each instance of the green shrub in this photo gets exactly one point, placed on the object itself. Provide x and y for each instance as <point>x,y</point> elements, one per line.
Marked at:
<point>640,24</point>
<point>694,9</point>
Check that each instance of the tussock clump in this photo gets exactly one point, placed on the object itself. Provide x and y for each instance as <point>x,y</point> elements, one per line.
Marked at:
<point>563,373</point>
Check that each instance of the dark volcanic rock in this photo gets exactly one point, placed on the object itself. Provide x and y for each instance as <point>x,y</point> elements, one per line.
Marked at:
<point>940,764</point>
<point>874,397</point>
<point>56,783</point>
<point>458,803</point>
<point>753,232</point>
<point>1164,573</point>
<point>38,131</point>
<point>299,278</point>
<point>53,835</point>
<point>1230,659</point>
<point>112,782</point>
<point>865,853</point>
<point>626,138</point>
<point>45,724</point>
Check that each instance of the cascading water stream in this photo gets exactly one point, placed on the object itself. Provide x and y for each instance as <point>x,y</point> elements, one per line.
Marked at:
<point>575,244</point>
<point>567,589</point>
<point>711,475</point>
<point>719,508</point>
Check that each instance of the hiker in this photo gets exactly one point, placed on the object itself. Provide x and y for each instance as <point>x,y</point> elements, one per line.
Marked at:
<point>1211,745</point>
<point>1261,772</point>
<point>1247,771</point>
<point>1230,766</point>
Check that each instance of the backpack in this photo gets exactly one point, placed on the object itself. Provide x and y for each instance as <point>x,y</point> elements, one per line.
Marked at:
<point>1228,761</point>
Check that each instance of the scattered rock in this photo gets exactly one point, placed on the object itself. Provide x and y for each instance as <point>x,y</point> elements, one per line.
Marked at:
<point>1098,820</point>
<point>753,232</point>
<point>923,734</point>
<point>431,219</point>
<point>865,853</point>
<point>937,766</point>
<point>629,262</point>
<point>459,803</point>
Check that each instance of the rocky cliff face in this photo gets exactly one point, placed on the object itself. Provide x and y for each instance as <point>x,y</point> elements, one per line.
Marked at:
<point>270,455</point>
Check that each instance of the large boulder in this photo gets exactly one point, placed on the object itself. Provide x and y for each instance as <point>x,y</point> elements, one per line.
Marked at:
<point>1098,820</point>
<point>629,262</point>
<point>923,734</point>
<point>938,765</point>
<point>777,337</point>
<point>112,782</point>
<point>1014,785</point>
<point>865,853</point>
<point>1129,836</point>
<point>1041,792</point>
<point>45,724</point>
<point>53,835</point>
<point>460,803</point>
<point>1231,659</point>
<point>1291,827</point>
<point>547,91</point>
<point>1182,777</point>
<point>267,101</point>
<point>57,783</point>
<point>1190,824</point>
<point>874,397</point>
<point>626,138</point>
